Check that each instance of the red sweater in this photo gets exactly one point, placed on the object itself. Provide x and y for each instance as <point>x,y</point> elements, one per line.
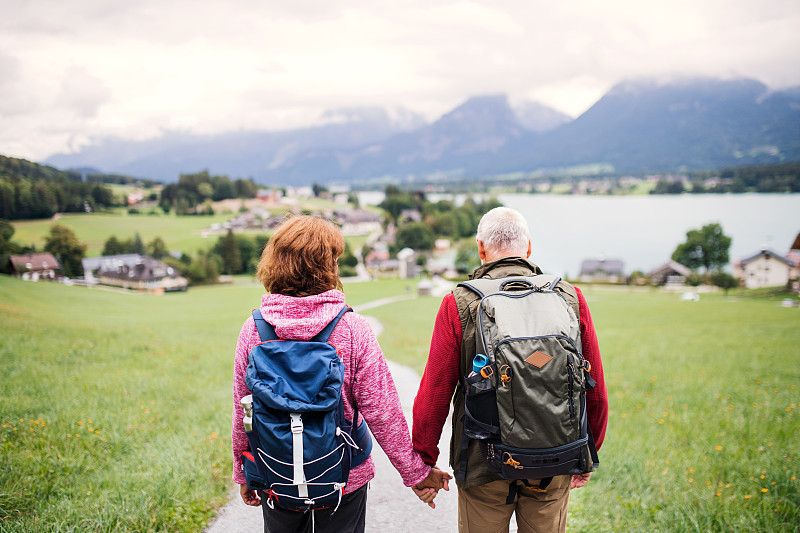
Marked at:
<point>441,376</point>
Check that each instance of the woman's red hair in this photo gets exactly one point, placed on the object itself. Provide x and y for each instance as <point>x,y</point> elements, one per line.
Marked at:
<point>300,258</point>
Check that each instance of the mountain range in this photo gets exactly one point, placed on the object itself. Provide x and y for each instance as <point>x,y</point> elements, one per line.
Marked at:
<point>638,126</point>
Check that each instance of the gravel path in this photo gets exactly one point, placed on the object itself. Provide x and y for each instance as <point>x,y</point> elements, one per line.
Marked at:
<point>390,505</point>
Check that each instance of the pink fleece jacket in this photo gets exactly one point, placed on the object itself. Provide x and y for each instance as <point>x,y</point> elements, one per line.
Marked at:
<point>372,390</point>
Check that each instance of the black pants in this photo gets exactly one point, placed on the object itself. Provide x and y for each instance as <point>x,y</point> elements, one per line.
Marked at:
<point>348,518</point>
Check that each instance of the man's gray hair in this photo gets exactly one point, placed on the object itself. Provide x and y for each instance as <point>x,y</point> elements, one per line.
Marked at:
<point>504,230</point>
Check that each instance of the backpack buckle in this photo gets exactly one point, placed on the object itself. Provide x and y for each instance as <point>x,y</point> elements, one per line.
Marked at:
<point>296,423</point>
<point>505,374</point>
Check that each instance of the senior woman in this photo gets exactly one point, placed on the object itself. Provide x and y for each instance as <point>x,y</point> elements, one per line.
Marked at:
<point>300,274</point>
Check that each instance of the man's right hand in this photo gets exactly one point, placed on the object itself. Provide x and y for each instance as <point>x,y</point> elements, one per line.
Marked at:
<point>428,488</point>
<point>580,480</point>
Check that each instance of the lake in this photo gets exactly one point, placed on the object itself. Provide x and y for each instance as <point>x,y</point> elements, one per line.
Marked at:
<point>643,231</point>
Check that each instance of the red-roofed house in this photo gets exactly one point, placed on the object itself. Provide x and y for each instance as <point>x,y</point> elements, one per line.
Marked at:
<point>36,266</point>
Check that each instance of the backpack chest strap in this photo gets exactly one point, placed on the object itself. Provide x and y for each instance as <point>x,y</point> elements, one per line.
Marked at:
<point>297,455</point>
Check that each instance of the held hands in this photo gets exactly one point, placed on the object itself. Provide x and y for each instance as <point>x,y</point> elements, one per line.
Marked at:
<point>250,497</point>
<point>429,487</point>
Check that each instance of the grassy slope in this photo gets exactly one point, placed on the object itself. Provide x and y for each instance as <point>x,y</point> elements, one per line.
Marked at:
<point>703,410</point>
<point>115,408</point>
<point>703,404</point>
<point>702,428</point>
<point>179,233</point>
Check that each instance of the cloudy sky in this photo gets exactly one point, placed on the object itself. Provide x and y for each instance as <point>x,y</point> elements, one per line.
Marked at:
<point>74,71</point>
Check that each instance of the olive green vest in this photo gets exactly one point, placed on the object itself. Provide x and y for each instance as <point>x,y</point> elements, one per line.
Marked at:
<point>477,473</point>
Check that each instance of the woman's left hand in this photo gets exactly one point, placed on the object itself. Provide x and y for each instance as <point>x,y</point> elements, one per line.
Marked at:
<point>429,487</point>
<point>250,497</point>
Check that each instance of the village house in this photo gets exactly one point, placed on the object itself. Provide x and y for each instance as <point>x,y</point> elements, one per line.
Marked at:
<point>386,268</point>
<point>269,196</point>
<point>764,269</point>
<point>133,271</point>
<point>794,257</point>
<point>409,215</point>
<point>92,266</point>
<point>35,267</point>
<point>136,196</point>
<point>379,263</point>
<point>407,264</point>
<point>442,259</point>
<point>602,270</point>
<point>669,274</point>
<point>358,221</point>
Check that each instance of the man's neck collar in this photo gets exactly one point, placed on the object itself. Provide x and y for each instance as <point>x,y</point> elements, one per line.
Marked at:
<point>505,261</point>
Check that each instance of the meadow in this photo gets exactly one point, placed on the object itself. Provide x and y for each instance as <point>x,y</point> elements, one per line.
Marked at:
<point>115,408</point>
<point>179,233</point>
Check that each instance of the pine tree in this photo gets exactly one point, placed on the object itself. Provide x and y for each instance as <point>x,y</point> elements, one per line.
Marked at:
<point>229,250</point>
<point>137,247</point>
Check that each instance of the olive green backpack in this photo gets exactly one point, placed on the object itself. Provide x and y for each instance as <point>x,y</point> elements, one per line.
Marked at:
<point>526,400</point>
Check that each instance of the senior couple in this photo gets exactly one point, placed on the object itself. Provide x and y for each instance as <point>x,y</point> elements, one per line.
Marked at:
<point>300,274</point>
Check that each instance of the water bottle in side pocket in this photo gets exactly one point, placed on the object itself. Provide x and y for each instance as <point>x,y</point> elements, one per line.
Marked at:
<point>480,379</point>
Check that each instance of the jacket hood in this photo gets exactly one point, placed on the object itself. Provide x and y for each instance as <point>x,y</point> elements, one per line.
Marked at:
<point>301,318</point>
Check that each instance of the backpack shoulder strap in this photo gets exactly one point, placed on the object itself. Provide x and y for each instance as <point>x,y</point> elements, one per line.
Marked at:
<point>265,330</point>
<point>323,335</point>
<point>483,286</point>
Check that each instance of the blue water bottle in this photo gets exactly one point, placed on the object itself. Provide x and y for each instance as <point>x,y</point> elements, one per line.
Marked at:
<point>481,367</point>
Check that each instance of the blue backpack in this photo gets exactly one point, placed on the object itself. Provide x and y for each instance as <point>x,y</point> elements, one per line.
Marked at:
<point>301,446</point>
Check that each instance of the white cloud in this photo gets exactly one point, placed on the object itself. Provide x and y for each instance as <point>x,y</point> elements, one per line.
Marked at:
<point>82,93</point>
<point>71,71</point>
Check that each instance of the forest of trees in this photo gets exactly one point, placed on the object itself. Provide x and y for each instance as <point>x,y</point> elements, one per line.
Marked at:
<point>439,219</point>
<point>784,177</point>
<point>193,193</point>
<point>29,190</point>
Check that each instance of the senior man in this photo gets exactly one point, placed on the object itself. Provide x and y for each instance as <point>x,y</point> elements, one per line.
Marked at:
<point>485,501</point>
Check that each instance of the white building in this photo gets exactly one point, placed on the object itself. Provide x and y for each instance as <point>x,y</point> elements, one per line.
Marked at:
<point>602,270</point>
<point>764,269</point>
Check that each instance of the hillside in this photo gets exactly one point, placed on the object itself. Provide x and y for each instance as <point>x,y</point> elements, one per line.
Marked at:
<point>30,190</point>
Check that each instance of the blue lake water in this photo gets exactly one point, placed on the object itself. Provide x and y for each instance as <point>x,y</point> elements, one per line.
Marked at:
<point>643,231</point>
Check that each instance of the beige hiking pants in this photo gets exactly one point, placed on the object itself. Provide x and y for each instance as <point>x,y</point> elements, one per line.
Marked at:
<point>483,509</point>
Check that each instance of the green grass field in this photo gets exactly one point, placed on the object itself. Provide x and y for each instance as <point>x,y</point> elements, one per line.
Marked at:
<point>115,408</point>
<point>703,422</point>
<point>179,233</point>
